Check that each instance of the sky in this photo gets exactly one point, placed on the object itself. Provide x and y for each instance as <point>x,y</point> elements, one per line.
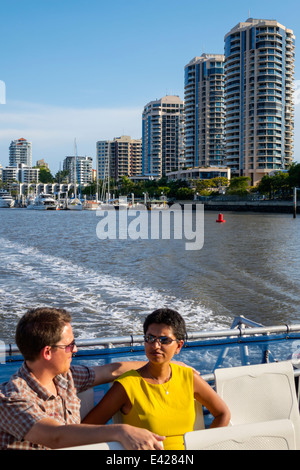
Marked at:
<point>84,70</point>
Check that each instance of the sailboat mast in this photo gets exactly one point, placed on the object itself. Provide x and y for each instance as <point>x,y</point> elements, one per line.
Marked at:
<point>75,165</point>
<point>108,182</point>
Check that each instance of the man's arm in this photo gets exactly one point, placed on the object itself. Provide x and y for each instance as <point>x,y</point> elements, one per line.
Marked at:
<point>109,372</point>
<point>53,435</point>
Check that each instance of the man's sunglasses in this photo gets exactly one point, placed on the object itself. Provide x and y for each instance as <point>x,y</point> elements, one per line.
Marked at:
<point>67,347</point>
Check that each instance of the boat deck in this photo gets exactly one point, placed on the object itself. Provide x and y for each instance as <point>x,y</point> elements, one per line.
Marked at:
<point>205,351</point>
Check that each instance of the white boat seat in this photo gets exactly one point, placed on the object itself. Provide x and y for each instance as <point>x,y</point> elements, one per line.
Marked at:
<point>259,393</point>
<point>270,435</point>
<point>87,402</point>
<point>100,446</point>
<point>199,421</point>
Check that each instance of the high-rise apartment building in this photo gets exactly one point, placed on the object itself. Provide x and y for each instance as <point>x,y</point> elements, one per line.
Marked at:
<point>120,157</point>
<point>163,136</point>
<point>259,68</point>
<point>84,169</point>
<point>204,111</point>
<point>20,173</point>
<point>20,151</point>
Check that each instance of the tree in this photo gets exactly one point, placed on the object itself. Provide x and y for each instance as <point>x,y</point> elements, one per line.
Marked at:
<point>265,186</point>
<point>163,190</point>
<point>278,185</point>
<point>294,175</point>
<point>239,186</point>
<point>127,186</point>
<point>219,181</point>
<point>62,176</point>
<point>185,194</point>
<point>45,176</point>
<point>281,186</point>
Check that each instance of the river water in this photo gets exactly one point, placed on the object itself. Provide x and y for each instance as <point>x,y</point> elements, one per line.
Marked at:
<point>248,266</point>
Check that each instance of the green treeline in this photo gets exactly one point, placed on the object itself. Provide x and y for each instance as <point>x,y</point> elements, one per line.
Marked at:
<point>278,186</point>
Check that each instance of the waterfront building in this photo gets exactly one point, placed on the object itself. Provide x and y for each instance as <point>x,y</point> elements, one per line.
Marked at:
<point>204,110</point>
<point>259,69</point>
<point>20,173</point>
<point>163,136</point>
<point>20,151</point>
<point>200,173</point>
<point>121,156</point>
<point>56,189</point>
<point>103,159</point>
<point>84,169</point>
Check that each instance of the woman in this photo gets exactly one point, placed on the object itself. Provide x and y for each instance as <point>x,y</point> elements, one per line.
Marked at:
<point>160,395</point>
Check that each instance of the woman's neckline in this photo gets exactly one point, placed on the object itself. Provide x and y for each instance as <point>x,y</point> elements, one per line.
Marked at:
<point>153,378</point>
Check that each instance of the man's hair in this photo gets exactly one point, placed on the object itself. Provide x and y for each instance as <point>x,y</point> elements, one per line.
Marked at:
<point>38,328</point>
<point>168,317</point>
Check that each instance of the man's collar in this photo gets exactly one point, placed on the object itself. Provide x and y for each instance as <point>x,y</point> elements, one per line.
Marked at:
<point>60,381</point>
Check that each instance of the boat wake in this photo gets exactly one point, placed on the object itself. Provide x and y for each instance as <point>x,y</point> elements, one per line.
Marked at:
<point>101,304</point>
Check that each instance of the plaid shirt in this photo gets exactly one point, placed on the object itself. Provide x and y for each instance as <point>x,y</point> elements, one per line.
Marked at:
<point>24,402</point>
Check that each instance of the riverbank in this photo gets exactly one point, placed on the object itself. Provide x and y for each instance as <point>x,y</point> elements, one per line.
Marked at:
<point>283,207</point>
<point>280,207</point>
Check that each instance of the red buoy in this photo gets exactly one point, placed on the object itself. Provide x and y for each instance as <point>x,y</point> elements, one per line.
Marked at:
<point>220,219</point>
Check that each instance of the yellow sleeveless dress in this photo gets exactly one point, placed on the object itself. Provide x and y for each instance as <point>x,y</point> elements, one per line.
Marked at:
<point>167,414</point>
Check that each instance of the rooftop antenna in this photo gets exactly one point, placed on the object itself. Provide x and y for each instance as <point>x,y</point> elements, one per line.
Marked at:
<point>249,13</point>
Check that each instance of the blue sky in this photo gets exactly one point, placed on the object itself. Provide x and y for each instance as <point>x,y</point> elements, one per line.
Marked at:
<point>85,69</point>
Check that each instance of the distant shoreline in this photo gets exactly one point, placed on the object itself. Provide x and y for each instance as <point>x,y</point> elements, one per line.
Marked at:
<point>280,207</point>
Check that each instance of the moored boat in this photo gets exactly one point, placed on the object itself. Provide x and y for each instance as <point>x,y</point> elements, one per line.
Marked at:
<point>44,202</point>
<point>74,204</point>
<point>6,200</point>
<point>91,205</point>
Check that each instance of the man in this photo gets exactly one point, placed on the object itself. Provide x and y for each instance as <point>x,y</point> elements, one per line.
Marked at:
<point>39,407</point>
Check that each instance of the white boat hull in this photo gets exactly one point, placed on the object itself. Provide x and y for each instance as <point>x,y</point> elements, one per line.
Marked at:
<point>44,208</point>
<point>74,207</point>
<point>6,203</point>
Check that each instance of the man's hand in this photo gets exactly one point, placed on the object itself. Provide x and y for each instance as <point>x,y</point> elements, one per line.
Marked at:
<point>133,438</point>
<point>185,365</point>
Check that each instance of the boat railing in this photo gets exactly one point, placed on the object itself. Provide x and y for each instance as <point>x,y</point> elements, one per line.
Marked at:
<point>241,327</point>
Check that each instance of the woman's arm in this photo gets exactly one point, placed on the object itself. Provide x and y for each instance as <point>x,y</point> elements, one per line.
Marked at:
<point>116,399</point>
<point>212,401</point>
